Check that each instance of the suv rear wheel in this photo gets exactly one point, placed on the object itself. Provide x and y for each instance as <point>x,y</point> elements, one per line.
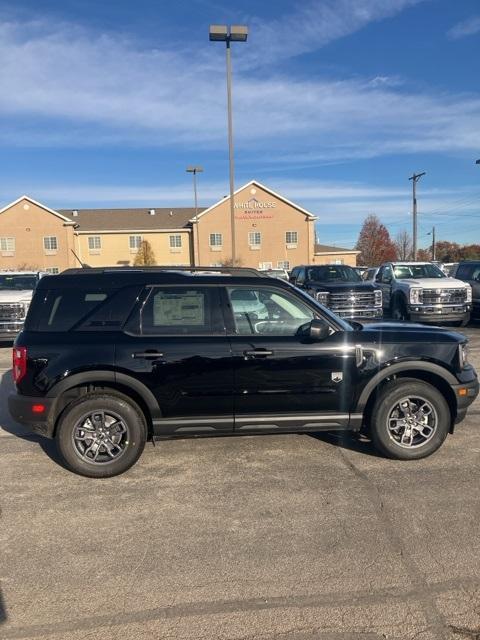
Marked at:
<point>101,435</point>
<point>410,419</point>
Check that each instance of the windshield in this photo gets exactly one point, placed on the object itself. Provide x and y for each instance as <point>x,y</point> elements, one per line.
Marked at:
<point>333,273</point>
<point>18,282</point>
<point>417,271</point>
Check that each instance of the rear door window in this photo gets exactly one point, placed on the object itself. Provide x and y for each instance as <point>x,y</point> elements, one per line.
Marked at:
<point>178,311</point>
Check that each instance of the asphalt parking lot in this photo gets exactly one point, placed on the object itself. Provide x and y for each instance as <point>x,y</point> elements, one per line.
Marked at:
<point>290,537</point>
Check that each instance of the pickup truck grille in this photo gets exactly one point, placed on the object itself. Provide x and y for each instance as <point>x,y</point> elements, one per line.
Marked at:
<point>444,296</point>
<point>11,311</point>
<point>351,299</point>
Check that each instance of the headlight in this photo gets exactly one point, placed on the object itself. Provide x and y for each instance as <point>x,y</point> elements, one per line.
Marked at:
<point>416,296</point>
<point>378,297</point>
<point>322,297</point>
<point>463,354</point>
<point>469,293</point>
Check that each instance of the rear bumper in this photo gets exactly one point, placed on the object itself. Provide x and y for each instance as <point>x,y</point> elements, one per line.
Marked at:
<point>438,313</point>
<point>21,409</point>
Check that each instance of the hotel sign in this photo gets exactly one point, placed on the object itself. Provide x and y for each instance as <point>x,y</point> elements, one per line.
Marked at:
<point>254,209</point>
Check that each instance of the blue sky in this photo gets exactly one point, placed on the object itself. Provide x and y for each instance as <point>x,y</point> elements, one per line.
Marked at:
<point>336,103</point>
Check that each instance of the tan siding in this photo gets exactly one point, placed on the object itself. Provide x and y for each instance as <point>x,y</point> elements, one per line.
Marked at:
<point>115,248</point>
<point>29,223</point>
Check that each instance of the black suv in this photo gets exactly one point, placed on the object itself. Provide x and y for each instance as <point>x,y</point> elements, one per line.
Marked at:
<point>469,271</point>
<point>112,357</point>
<point>341,289</point>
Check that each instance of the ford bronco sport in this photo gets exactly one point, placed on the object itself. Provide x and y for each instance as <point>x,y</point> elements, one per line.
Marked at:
<point>110,358</point>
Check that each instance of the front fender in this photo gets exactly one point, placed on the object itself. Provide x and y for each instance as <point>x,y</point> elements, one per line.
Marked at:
<point>397,368</point>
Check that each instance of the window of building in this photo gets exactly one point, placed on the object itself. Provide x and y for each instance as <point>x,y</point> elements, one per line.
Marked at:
<point>283,264</point>
<point>134,242</point>
<point>216,241</point>
<point>291,239</point>
<point>7,246</point>
<point>265,265</point>
<point>52,270</point>
<point>254,239</point>
<point>50,244</point>
<point>337,261</point>
<point>94,244</point>
<point>176,242</point>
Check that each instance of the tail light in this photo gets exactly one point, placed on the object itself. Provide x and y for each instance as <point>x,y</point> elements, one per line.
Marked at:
<point>19,363</point>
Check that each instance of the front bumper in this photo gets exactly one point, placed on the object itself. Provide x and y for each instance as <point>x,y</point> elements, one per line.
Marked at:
<point>363,313</point>
<point>438,313</point>
<point>21,409</point>
<point>465,392</point>
<point>9,330</point>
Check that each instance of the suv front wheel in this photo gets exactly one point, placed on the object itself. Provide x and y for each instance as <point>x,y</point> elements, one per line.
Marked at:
<point>101,435</point>
<point>410,419</point>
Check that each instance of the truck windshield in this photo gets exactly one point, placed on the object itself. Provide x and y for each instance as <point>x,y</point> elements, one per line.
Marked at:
<point>18,282</point>
<point>417,271</point>
<point>333,273</point>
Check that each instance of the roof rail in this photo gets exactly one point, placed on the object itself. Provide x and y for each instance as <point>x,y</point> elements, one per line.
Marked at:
<point>233,271</point>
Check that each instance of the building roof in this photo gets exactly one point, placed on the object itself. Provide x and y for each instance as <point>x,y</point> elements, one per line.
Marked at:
<point>38,204</point>
<point>137,219</point>
<point>325,248</point>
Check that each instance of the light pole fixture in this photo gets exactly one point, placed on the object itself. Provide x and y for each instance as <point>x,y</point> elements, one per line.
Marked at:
<point>478,161</point>
<point>194,170</point>
<point>415,178</point>
<point>229,34</point>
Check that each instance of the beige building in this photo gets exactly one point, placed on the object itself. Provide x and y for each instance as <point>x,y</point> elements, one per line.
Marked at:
<point>270,231</point>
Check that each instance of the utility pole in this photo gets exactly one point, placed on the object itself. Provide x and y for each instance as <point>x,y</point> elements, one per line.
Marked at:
<point>415,178</point>
<point>194,171</point>
<point>433,243</point>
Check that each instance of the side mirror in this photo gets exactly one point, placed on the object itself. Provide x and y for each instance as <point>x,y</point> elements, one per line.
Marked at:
<point>318,330</point>
<point>387,279</point>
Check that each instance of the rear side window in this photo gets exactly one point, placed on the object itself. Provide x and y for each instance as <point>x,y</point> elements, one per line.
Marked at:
<point>64,309</point>
<point>178,311</point>
<point>468,271</point>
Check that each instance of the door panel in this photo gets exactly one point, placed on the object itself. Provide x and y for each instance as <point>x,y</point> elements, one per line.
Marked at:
<point>190,375</point>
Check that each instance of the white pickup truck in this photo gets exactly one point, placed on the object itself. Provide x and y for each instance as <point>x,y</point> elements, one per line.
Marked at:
<point>16,291</point>
<point>421,292</point>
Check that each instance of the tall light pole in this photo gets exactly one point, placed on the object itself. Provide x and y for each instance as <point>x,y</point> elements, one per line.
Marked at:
<point>432,233</point>
<point>194,171</point>
<point>415,178</point>
<point>235,33</point>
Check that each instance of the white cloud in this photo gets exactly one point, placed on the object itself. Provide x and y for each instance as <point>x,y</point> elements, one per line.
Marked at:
<point>315,24</point>
<point>468,27</point>
<point>64,85</point>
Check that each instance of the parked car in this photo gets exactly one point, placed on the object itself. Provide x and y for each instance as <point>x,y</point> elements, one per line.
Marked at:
<point>469,272</point>
<point>16,290</point>
<point>370,274</point>
<point>276,273</point>
<point>341,289</point>
<point>420,291</point>
<point>110,358</point>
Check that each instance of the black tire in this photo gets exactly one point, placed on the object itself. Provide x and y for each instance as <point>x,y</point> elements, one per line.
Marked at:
<point>465,321</point>
<point>399,309</point>
<point>387,406</point>
<point>116,440</point>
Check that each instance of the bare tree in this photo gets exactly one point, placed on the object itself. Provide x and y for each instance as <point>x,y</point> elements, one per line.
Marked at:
<point>145,255</point>
<point>403,243</point>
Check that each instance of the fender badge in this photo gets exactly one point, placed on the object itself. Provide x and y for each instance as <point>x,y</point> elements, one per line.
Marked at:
<point>337,376</point>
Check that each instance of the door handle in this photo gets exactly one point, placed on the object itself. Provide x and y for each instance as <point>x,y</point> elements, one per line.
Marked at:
<point>148,355</point>
<point>257,353</point>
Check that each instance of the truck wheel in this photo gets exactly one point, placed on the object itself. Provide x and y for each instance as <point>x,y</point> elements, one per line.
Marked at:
<point>410,419</point>
<point>465,321</point>
<point>399,310</point>
<point>101,435</point>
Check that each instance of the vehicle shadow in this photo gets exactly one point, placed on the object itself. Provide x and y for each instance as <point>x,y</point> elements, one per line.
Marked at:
<point>8,425</point>
<point>347,440</point>
<point>3,609</point>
